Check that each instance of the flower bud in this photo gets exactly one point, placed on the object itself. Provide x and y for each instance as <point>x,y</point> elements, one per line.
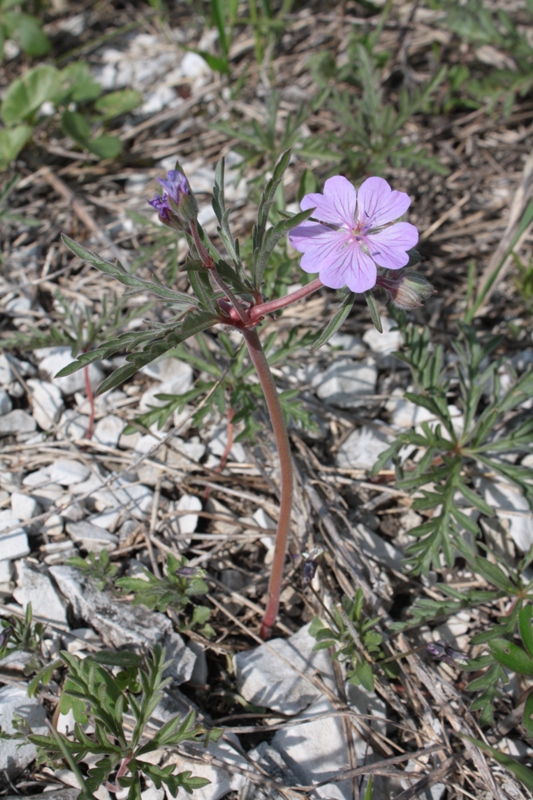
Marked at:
<point>407,290</point>
<point>177,206</point>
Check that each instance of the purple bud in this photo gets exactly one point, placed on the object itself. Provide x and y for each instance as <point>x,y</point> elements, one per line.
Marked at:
<point>177,206</point>
<point>407,290</point>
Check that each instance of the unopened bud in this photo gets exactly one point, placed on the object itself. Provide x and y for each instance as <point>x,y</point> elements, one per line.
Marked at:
<point>407,290</point>
<point>177,205</point>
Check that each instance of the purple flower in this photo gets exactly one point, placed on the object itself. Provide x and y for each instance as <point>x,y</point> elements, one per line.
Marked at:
<point>350,233</point>
<point>176,206</point>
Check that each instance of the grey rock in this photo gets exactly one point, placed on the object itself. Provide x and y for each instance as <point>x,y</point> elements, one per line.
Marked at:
<point>47,402</point>
<point>92,537</point>
<point>107,431</point>
<point>133,497</point>
<point>14,544</point>
<point>35,587</point>
<point>185,523</point>
<point>200,672</point>
<point>121,624</point>
<point>271,761</point>
<point>73,424</point>
<point>221,782</point>
<point>362,448</point>
<point>5,402</point>
<point>512,509</point>
<point>384,344</point>
<point>14,700</point>
<point>24,507</point>
<point>66,472</point>
<point>375,547</point>
<point>53,361</point>
<point>264,679</point>
<point>16,422</point>
<point>347,383</point>
<point>6,373</point>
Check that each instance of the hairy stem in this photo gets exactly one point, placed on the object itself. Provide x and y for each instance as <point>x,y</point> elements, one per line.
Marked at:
<point>260,363</point>
<point>259,311</point>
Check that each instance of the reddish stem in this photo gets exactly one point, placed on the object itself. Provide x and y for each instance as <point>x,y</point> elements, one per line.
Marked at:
<point>227,449</point>
<point>279,427</point>
<point>90,398</point>
<point>255,313</point>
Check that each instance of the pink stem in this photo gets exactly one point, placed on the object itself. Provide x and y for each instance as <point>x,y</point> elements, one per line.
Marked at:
<point>260,363</point>
<point>259,311</point>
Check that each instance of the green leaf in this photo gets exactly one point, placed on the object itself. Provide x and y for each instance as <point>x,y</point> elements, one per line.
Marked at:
<point>104,146</point>
<point>26,95</point>
<point>26,30</point>
<point>82,86</point>
<point>374,313</point>
<point>76,126</point>
<point>116,103</point>
<point>12,140</point>
<point>511,656</point>
<point>526,629</point>
<point>270,240</point>
<point>523,773</point>
<point>492,573</point>
<point>336,321</point>
<point>215,62</point>
<point>527,719</point>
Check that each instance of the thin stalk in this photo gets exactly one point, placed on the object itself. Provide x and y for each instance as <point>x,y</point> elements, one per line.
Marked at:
<point>257,354</point>
<point>259,311</point>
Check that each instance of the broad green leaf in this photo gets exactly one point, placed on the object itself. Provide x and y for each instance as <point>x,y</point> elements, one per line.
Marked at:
<point>82,86</point>
<point>219,64</point>
<point>493,574</point>
<point>105,146</point>
<point>336,321</point>
<point>26,30</point>
<point>116,103</point>
<point>374,313</point>
<point>525,619</point>
<point>12,140</point>
<point>523,773</point>
<point>527,720</point>
<point>26,95</point>
<point>76,126</point>
<point>511,656</point>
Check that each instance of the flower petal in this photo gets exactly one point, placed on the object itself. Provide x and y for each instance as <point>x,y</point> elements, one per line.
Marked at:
<point>325,249</point>
<point>388,247</point>
<point>336,205</point>
<point>349,267</point>
<point>377,204</point>
<point>308,235</point>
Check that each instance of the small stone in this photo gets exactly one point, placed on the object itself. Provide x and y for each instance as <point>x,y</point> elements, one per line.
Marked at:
<point>53,525</point>
<point>73,424</point>
<point>53,361</point>
<point>108,430</point>
<point>384,344</point>
<point>221,781</point>
<point>67,472</point>
<point>6,373</point>
<point>92,538</point>
<point>35,587</point>
<point>47,402</point>
<point>14,544</point>
<point>266,680</point>
<point>194,66</point>
<point>16,422</point>
<point>362,448</point>
<point>188,522</point>
<point>24,507</point>
<point>132,497</point>
<point>375,547</point>
<point>50,495</point>
<point>5,402</point>
<point>348,343</point>
<point>348,384</point>
<point>512,509</point>
<point>108,520</point>
<point>15,700</point>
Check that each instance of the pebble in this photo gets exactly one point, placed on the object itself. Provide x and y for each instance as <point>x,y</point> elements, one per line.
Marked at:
<point>14,544</point>
<point>108,430</point>
<point>122,624</point>
<point>6,373</point>
<point>47,402</point>
<point>91,537</point>
<point>348,384</point>
<point>108,520</point>
<point>375,547</point>
<point>73,424</point>
<point>6,574</point>
<point>221,781</point>
<point>35,587</point>
<point>67,472</point>
<point>53,361</point>
<point>275,767</point>
<point>24,506</point>
<point>17,422</point>
<point>512,509</point>
<point>265,680</point>
<point>5,402</point>
<point>362,448</point>
<point>218,442</point>
<point>188,522</point>
<point>133,497</point>
<point>14,700</point>
<point>384,344</point>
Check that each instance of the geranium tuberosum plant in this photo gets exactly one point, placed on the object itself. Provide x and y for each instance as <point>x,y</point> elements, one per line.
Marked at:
<point>344,235</point>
